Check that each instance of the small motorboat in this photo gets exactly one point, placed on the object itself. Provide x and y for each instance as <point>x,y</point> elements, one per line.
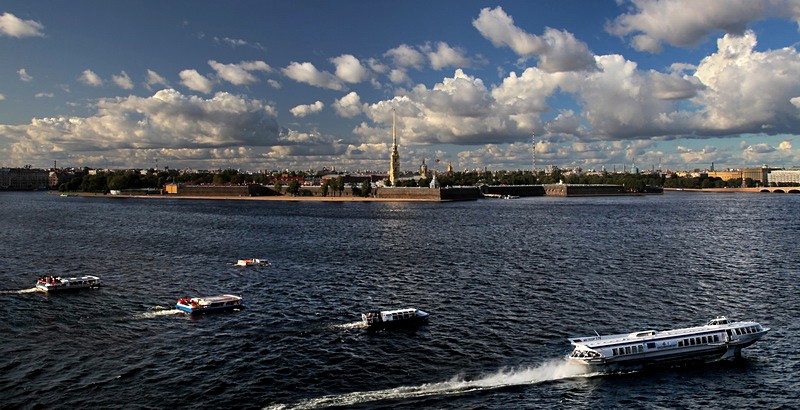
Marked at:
<point>210,304</point>
<point>57,283</point>
<point>249,263</point>
<point>397,317</point>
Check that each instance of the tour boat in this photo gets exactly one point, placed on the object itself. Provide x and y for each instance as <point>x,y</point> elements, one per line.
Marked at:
<point>252,262</point>
<point>57,283</point>
<point>395,317</point>
<point>210,304</point>
<point>718,339</point>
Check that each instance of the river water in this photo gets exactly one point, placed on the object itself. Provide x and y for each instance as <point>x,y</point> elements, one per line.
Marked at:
<point>505,281</point>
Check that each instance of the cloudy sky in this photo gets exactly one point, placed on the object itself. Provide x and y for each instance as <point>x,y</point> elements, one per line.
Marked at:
<point>304,84</point>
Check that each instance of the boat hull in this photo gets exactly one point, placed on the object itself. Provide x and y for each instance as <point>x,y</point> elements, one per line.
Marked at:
<point>189,309</point>
<point>68,284</point>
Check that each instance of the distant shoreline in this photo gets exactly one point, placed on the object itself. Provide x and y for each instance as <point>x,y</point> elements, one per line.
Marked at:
<point>255,198</point>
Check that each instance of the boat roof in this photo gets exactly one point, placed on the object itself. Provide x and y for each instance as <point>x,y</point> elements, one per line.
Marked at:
<point>386,312</point>
<point>645,335</point>
<point>87,277</point>
<point>218,298</point>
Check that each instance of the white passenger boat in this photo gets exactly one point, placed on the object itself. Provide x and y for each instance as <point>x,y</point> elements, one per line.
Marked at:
<point>252,262</point>
<point>57,283</point>
<point>210,304</point>
<point>397,317</point>
<point>719,339</point>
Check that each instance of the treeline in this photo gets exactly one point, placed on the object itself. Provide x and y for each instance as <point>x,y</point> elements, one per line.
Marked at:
<point>120,180</point>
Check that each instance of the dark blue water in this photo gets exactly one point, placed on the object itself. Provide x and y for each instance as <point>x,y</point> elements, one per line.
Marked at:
<point>506,282</point>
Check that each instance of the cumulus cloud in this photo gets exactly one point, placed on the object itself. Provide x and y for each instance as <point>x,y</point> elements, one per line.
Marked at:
<point>239,74</point>
<point>167,120</point>
<point>195,81</point>
<point>406,56</point>
<point>24,76</point>
<point>307,109</point>
<point>274,84</point>
<point>747,90</point>
<point>2,97</point>
<point>445,56</point>
<point>44,95</point>
<point>349,69</point>
<point>153,79</point>
<point>122,80</point>
<point>348,106</point>
<point>13,26</point>
<point>89,77</point>
<point>399,76</point>
<point>557,50</point>
<point>687,22</point>
<point>308,74</point>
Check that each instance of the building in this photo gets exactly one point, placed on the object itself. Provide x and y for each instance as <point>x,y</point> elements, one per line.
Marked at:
<point>394,156</point>
<point>23,179</point>
<point>423,169</point>
<point>784,177</point>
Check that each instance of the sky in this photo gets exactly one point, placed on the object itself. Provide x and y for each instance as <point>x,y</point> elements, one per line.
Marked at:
<point>504,85</point>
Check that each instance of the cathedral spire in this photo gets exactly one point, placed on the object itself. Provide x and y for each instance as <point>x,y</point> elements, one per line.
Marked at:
<point>394,156</point>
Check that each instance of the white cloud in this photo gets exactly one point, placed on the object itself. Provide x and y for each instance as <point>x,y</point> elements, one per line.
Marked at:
<point>348,106</point>
<point>122,81</point>
<point>44,95</point>
<point>349,69</point>
<point>152,79</point>
<point>89,77</point>
<point>13,26</point>
<point>307,73</point>
<point>167,121</point>
<point>24,76</point>
<point>406,56</point>
<point>239,74</point>
<point>274,84</point>
<point>557,50</point>
<point>747,90</point>
<point>687,22</point>
<point>399,76</point>
<point>196,82</point>
<point>446,56</point>
<point>307,109</point>
<point>2,97</point>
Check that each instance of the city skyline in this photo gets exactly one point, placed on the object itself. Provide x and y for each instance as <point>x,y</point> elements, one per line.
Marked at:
<point>274,85</point>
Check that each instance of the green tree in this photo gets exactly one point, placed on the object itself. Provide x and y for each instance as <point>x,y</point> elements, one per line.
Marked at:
<point>324,188</point>
<point>366,188</point>
<point>278,187</point>
<point>340,184</point>
<point>293,187</point>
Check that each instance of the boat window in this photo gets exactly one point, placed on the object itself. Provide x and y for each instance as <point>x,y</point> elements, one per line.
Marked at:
<point>738,331</point>
<point>641,349</point>
<point>614,351</point>
<point>691,342</point>
<point>716,338</point>
<point>705,340</point>
<point>651,345</point>
<point>680,343</point>
<point>627,350</point>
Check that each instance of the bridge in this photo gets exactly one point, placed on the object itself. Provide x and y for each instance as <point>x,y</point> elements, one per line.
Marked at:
<point>766,189</point>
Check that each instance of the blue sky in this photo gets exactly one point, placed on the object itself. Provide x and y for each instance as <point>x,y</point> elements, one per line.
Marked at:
<point>260,85</point>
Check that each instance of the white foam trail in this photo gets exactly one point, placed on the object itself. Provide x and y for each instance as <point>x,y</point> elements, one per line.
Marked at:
<point>159,312</point>
<point>354,325</point>
<point>9,292</point>
<point>552,370</point>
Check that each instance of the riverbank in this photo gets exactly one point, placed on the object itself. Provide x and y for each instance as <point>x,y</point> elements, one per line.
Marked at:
<point>256,198</point>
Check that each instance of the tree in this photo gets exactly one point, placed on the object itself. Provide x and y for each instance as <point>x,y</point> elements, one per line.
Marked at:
<point>293,187</point>
<point>278,186</point>
<point>366,188</point>
<point>324,188</point>
<point>340,184</point>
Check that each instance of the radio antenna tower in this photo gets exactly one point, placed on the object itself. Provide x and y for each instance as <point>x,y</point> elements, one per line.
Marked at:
<point>533,153</point>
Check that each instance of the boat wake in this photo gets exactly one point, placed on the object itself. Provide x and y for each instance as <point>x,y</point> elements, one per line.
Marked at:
<point>552,370</point>
<point>10,292</point>
<point>353,325</point>
<point>159,312</point>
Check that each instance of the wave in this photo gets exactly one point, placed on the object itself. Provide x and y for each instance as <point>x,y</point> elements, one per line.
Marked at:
<point>552,370</point>
<point>10,292</point>
<point>353,325</point>
<point>158,312</point>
